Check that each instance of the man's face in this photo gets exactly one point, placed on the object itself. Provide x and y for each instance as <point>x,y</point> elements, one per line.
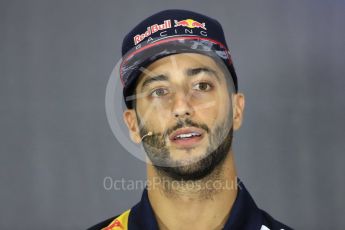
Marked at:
<point>184,101</point>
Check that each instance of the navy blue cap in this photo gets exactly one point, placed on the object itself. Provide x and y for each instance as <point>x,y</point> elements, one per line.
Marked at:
<point>170,32</point>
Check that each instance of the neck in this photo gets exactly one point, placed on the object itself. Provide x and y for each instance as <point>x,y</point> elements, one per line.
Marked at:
<point>201,204</point>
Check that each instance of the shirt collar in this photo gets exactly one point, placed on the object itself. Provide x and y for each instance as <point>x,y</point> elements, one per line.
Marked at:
<point>244,213</point>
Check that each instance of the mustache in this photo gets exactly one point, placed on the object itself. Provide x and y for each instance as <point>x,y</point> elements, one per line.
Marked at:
<point>185,123</point>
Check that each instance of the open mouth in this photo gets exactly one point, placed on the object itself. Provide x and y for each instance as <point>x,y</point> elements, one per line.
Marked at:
<point>186,137</point>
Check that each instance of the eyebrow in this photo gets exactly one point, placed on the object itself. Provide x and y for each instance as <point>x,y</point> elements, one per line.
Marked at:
<point>190,72</point>
<point>196,71</point>
<point>160,77</point>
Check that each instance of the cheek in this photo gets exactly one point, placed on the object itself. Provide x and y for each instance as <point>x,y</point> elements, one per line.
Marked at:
<point>213,109</point>
<point>154,116</point>
<point>208,115</point>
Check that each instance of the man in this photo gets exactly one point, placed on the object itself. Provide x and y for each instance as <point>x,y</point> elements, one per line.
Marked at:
<point>182,99</point>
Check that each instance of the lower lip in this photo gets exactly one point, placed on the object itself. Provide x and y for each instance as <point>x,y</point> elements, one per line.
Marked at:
<point>187,142</point>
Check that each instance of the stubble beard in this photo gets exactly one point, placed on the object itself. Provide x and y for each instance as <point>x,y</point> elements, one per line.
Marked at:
<point>208,165</point>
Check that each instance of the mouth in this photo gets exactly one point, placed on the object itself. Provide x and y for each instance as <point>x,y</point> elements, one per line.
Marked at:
<point>186,137</point>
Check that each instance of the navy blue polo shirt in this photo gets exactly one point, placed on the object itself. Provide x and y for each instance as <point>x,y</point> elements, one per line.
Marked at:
<point>244,215</point>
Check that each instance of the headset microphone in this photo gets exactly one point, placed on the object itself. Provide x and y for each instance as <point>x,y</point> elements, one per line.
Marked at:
<point>147,134</point>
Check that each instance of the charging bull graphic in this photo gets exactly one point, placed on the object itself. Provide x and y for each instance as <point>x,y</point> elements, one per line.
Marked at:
<point>190,23</point>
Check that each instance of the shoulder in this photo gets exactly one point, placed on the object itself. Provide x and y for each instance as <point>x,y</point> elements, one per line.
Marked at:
<point>103,224</point>
<point>115,221</point>
<point>271,223</point>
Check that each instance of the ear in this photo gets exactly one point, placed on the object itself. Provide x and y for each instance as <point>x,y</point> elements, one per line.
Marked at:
<point>130,118</point>
<point>238,110</point>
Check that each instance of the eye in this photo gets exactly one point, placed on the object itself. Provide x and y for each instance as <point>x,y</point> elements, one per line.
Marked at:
<point>202,86</point>
<point>159,92</point>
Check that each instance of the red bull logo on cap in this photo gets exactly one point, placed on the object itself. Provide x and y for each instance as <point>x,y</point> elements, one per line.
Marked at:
<point>190,23</point>
<point>158,31</point>
<point>151,30</point>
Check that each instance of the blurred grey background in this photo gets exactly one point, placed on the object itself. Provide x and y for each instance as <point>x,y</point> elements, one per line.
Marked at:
<point>57,148</point>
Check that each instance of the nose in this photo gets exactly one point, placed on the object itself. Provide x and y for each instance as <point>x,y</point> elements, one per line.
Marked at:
<point>181,107</point>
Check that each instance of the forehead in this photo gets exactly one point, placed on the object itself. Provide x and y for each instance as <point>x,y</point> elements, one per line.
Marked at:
<point>183,60</point>
<point>180,63</point>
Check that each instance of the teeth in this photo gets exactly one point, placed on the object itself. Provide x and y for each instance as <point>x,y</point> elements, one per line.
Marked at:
<point>187,135</point>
